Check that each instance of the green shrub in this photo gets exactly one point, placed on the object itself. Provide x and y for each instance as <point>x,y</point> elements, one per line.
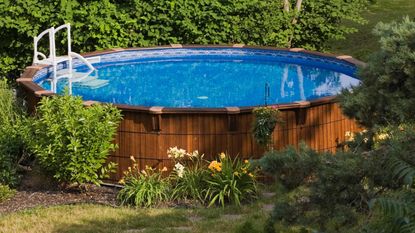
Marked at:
<point>144,188</point>
<point>12,127</point>
<point>265,120</point>
<point>102,24</point>
<point>339,180</point>
<point>72,141</point>
<point>387,92</point>
<point>6,193</point>
<point>231,181</point>
<point>189,175</point>
<point>291,167</point>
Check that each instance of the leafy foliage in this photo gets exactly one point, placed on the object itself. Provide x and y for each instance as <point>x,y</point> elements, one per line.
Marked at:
<point>266,118</point>
<point>12,128</point>
<point>386,95</point>
<point>6,192</point>
<point>144,188</point>
<point>102,24</point>
<point>72,141</point>
<point>291,167</point>
<point>341,174</point>
<point>230,181</point>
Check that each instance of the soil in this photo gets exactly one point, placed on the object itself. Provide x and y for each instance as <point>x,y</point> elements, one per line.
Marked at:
<point>38,190</point>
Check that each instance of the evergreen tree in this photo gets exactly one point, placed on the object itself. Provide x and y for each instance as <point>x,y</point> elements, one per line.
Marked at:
<point>387,92</point>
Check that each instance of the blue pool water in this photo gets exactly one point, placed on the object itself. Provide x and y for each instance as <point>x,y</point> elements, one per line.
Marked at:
<point>210,78</point>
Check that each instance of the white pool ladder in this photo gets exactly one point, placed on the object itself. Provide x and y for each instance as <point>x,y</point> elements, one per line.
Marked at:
<point>54,60</point>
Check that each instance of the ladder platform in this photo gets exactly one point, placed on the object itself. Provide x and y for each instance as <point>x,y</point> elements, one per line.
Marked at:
<point>49,61</point>
<point>75,76</point>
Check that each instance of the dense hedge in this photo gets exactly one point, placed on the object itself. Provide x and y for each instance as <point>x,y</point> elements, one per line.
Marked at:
<point>101,24</point>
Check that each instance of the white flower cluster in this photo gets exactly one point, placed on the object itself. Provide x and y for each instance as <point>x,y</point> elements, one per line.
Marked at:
<point>194,154</point>
<point>179,169</point>
<point>176,153</point>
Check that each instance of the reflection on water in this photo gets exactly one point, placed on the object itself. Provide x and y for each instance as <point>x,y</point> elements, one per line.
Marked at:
<point>205,83</point>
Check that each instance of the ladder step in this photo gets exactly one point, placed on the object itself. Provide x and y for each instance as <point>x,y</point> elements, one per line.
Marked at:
<point>75,76</point>
<point>49,61</point>
<point>97,83</point>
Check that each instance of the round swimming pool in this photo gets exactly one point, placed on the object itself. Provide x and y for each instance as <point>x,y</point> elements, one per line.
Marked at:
<point>209,78</point>
<point>202,97</point>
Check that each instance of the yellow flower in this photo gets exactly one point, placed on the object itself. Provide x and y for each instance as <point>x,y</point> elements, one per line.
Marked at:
<point>251,175</point>
<point>236,173</point>
<point>383,136</point>
<point>122,181</point>
<point>222,155</point>
<point>164,169</point>
<point>215,166</point>
<point>246,161</point>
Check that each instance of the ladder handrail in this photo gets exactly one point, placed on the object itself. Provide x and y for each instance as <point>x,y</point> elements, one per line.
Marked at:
<point>55,30</point>
<point>52,59</point>
<point>80,57</point>
<point>35,42</point>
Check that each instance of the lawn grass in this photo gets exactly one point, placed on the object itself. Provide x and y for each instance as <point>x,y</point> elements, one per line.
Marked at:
<point>83,218</point>
<point>98,218</point>
<point>362,43</point>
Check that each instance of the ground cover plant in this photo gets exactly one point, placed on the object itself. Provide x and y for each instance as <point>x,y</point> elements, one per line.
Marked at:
<point>107,24</point>
<point>72,141</point>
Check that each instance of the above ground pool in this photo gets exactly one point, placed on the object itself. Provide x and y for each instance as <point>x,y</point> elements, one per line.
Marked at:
<point>209,78</point>
<point>202,98</point>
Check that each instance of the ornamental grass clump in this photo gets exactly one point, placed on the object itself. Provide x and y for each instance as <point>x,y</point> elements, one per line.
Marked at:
<point>143,188</point>
<point>230,181</point>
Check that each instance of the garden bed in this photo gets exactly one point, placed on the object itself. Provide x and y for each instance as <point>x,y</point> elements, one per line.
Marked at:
<point>30,198</point>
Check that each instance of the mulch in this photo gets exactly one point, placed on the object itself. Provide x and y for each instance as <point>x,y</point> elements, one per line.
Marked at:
<point>25,199</point>
<point>38,190</point>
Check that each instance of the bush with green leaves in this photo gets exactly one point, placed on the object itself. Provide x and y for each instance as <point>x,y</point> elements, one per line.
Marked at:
<point>13,126</point>
<point>6,192</point>
<point>72,141</point>
<point>291,167</point>
<point>339,180</point>
<point>265,121</point>
<point>143,188</point>
<point>230,181</point>
<point>102,24</point>
<point>387,92</point>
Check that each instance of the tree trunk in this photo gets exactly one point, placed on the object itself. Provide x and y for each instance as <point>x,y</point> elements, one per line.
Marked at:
<point>297,9</point>
<point>287,5</point>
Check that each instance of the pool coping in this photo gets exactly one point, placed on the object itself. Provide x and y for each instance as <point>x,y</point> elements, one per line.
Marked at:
<point>26,82</point>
